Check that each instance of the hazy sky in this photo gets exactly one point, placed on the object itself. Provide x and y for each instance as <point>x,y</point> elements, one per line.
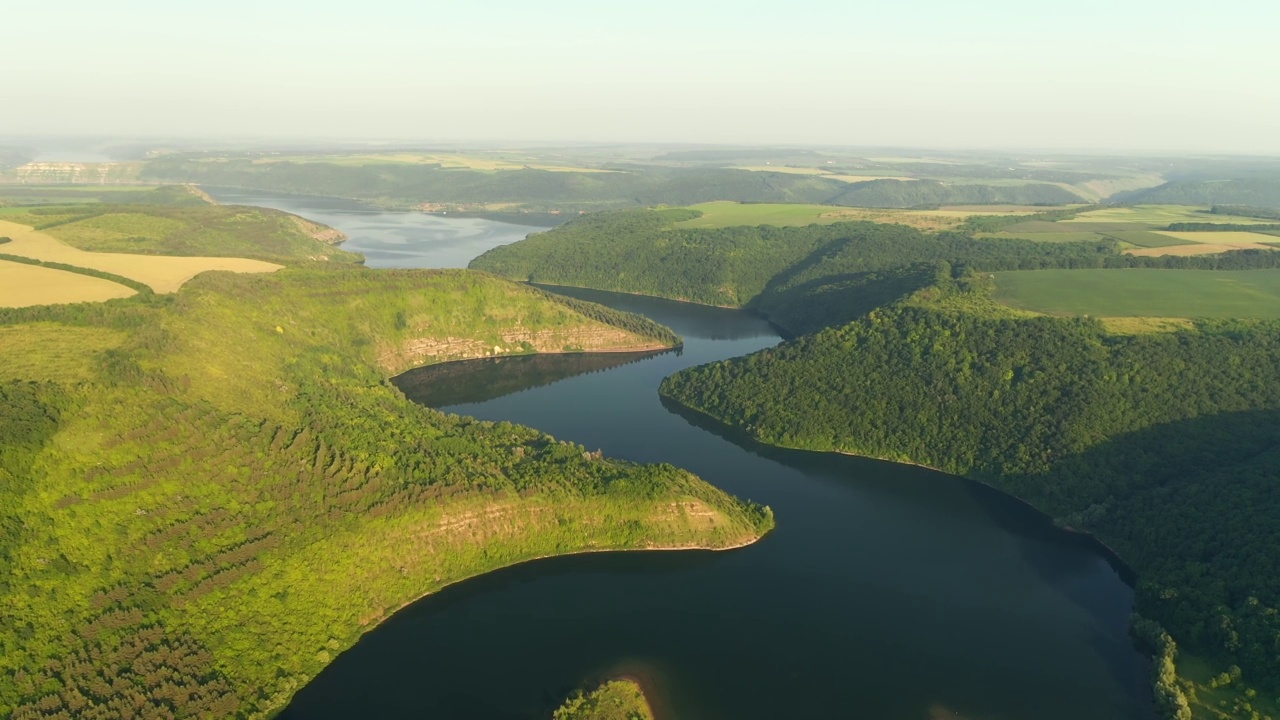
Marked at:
<point>1118,75</point>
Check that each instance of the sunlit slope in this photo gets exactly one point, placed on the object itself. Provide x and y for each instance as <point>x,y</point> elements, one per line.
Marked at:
<point>221,490</point>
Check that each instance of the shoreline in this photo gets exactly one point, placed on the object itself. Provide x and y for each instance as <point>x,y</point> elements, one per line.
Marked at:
<point>373,624</point>
<point>1126,571</point>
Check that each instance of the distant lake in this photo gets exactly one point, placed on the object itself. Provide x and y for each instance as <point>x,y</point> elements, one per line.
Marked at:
<point>391,239</point>
<point>886,592</point>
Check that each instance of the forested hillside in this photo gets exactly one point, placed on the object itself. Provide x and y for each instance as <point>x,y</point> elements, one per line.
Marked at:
<point>1165,445</point>
<point>205,496</point>
<point>917,193</point>
<point>531,189</point>
<point>803,278</point>
<point>1262,192</point>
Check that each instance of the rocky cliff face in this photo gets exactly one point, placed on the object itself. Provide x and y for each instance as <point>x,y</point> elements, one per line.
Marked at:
<point>587,338</point>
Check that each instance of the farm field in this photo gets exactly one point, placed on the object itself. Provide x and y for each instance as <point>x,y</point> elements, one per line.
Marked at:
<point>23,285</point>
<point>1235,239</point>
<point>1160,215</point>
<point>1145,293</point>
<point>469,162</point>
<point>162,274</point>
<point>728,214</point>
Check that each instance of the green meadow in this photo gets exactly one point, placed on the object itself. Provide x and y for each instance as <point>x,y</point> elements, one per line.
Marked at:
<point>1141,292</point>
<point>722,214</point>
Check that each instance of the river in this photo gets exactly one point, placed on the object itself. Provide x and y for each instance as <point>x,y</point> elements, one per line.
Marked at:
<point>886,591</point>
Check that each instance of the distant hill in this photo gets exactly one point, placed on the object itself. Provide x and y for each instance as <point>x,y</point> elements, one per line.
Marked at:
<point>1255,192</point>
<point>433,186</point>
<point>916,193</point>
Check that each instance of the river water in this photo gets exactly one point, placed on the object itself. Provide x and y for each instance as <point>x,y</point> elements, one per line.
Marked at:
<point>886,591</point>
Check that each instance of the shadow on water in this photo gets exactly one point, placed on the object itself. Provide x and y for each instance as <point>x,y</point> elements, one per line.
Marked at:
<point>476,381</point>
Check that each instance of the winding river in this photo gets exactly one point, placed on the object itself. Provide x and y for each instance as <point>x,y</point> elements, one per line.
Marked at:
<point>886,591</point>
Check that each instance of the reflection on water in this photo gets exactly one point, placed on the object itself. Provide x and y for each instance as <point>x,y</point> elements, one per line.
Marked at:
<point>473,381</point>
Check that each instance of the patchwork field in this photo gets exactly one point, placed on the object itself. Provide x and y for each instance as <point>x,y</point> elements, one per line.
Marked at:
<point>1160,215</point>
<point>1143,293</point>
<point>23,285</point>
<point>162,274</point>
<point>728,214</point>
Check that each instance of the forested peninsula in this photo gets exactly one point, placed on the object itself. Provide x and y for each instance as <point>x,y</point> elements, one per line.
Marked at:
<point>208,494</point>
<point>1159,437</point>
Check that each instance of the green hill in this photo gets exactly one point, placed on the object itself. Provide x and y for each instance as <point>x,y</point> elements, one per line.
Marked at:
<point>407,185</point>
<point>205,496</point>
<point>197,229</point>
<point>803,278</point>
<point>1164,445</point>
<point>1260,192</point>
<point>918,193</point>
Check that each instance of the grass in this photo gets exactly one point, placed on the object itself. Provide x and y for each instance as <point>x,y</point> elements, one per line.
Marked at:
<point>1147,239</point>
<point>1225,702</point>
<point>161,274</point>
<point>1144,325</point>
<point>23,285</point>
<point>53,351</point>
<point>1143,293</point>
<point>726,213</point>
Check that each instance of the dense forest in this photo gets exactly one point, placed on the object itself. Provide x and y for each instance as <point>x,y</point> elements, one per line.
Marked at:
<point>918,193</point>
<point>205,496</point>
<point>803,278</point>
<point>406,185</point>
<point>1162,444</point>
<point>1165,445</point>
<point>1259,192</point>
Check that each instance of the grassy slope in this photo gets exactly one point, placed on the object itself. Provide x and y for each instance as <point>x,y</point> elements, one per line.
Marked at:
<point>208,230</point>
<point>220,490</point>
<point>1143,292</point>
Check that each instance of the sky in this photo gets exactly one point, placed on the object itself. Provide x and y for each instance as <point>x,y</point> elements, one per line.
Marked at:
<point>1123,75</point>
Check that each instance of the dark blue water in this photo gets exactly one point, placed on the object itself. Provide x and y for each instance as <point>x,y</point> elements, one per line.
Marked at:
<point>886,591</point>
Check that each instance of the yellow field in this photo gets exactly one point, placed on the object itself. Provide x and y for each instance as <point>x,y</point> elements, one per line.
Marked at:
<point>865,178</point>
<point>22,285</point>
<point>161,274</point>
<point>1235,239</point>
<point>817,172</point>
<point>1161,215</point>
<point>1145,325</point>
